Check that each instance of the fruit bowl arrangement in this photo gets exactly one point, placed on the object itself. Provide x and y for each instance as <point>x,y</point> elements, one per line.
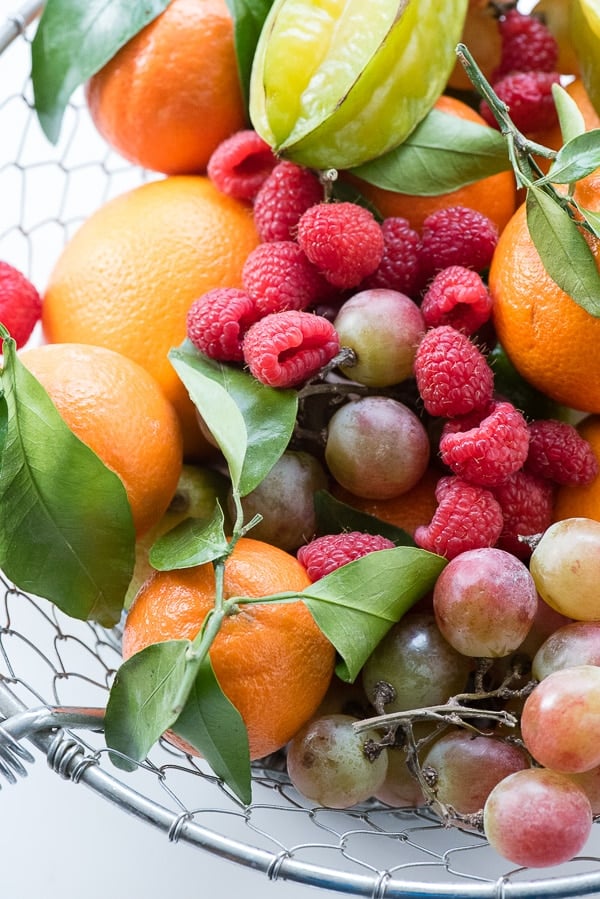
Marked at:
<point>318,437</point>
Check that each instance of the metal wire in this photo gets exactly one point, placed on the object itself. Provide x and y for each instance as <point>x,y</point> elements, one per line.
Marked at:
<point>49,660</point>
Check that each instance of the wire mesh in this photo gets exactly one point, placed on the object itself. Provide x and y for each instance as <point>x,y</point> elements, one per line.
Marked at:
<point>48,659</point>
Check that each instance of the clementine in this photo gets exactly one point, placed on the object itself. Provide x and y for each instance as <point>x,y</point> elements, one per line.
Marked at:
<point>172,93</point>
<point>130,273</point>
<point>271,659</point>
<point>581,501</point>
<point>117,408</point>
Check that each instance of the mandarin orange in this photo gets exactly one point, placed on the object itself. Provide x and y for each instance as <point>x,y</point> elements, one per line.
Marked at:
<point>581,501</point>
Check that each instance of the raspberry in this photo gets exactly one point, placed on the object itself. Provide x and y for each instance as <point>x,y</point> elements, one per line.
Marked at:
<point>467,517</point>
<point>526,502</point>
<point>526,45</point>
<point>288,191</point>
<point>20,304</point>
<point>457,235</point>
<point>457,296</point>
<point>218,320</point>
<point>324,554</point>
<point>278,275</point>
<point>400,266</point>
<point>528,96</point>
<point>489,450</point>
<point>284,349</point>
<point>452,375</point>
<point>558,452</point>
<point>343,240</point>
<point>240,164</point>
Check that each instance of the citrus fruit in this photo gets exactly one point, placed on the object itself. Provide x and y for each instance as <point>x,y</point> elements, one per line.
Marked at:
<point>130,273</point>
<point>581,501</point>
<point>555,15</point>
<point>336,83</point>
<point>117,408</point>
<point>494,196</point>
<point>271,659</point>
<point>172,93</point>
<point>482,36</point>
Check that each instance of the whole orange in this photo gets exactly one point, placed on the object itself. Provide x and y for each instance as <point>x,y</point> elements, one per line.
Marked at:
<point>172,93</point>
<point>494,196</point>
<point>583,501</point>
<point>130,273</point>
<point>117,408</point>
<point>271,659</point>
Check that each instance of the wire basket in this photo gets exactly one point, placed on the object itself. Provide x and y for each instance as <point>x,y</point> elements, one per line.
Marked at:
<point>50,661</point>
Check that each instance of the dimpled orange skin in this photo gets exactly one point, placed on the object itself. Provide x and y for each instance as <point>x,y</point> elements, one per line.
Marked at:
<point>271,660</point>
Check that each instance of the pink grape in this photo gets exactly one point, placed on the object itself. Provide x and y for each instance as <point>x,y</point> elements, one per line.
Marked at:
<point>565,566</point>
<point>577,643</point>
<point>589,781</point>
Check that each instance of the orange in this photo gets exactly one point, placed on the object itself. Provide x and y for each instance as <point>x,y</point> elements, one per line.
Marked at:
<point>172,93</point>
<point>481,36</point>
<point>494,196</point>
<point>573,501</point>
<point>552,137</point>
<point>271,660</point>
<point>129,274</point>
<point>117,408</point>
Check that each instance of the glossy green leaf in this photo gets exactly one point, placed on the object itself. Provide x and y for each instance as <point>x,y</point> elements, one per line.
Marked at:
<point>66,529</point>
<point>191,542</point>
<point>248,19</point>
<point>570,117</point>
<point>333,516</point>
<point>73,40</point>
<point>576,159</point>
<point>563,250</point>
<point>592,218</point>
<point>356,605</point>
<point>442,154</point>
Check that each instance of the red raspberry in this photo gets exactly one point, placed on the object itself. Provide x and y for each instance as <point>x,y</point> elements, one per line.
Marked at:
<point>486,451</point>
<point>285,349</point>
<point>343,240</point>
<point>526,502</point>
<point>457,235</point>
<point>218,320</point>
<point>289,191</point>
<point>400,266</point>
<point>467,517</point>
<point>457,296</point>
<point>528,96</point>
<point>20,304</point>
<point>452,375</point>
<point>527,45</point>
<point>240,164</point>
<point>278,275</point>
<point>324,554</point>
<point>558,452</point>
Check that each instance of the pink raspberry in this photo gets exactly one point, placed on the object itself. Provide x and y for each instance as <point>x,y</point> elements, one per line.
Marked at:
<point>285,349</point>
<point>467,517</point>
<point>240,164</point>
<point>558,452</point>
<point>457,235</point>
<point>526,502</point>
<point>527,45</point>
<point>400,266</point>
<point>20,304</point>
<point>218,320</point>
<point>452,374</point>
<point>528,96</point>
<point>457,296</point>
<point>325,554</point>
<point>278,275</point>
<point>486,451</point>
<point>288,191</point>
<point>343,240</point>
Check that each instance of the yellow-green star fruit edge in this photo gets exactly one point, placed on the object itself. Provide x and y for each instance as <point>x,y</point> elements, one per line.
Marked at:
<point>585,36</point>
<point>335,83</point>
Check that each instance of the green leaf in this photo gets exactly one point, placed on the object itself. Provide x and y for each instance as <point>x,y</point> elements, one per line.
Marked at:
<point>570,117</point>
<point>442,154</point>
<point>191,542</point>
<point>248,19</point>
<point>577,158</point>
<point>592,218</point>
<point>74,39</point>
<point>563,250</point>
<point>66,529</point>
<point>356,605</point>
<point>252,423</point>
<point>333,516</point>
<point>213,726</point>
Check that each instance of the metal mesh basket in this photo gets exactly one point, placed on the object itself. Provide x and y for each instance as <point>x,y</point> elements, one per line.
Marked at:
<point>55,672</point>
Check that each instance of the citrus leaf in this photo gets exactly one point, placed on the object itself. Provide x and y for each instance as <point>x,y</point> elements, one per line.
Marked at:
<point>248,19</point>
<point>570,117</point>
<point>577,158</point>
<point>213,726</point>
<point>334,516</point>
<point>442,154</point>
<point>592,218</point>
<point>73,40</point>
<point>356,605</point>
<point>563,250</point>
<point>66,529</point>
<point>191,542</point>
